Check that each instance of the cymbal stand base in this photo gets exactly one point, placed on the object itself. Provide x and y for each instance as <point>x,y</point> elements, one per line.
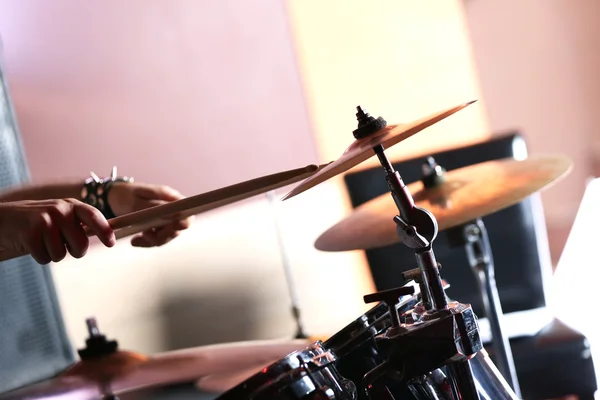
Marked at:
<point>473,236</point>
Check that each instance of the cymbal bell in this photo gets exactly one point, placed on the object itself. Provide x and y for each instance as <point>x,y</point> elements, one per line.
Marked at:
<point>124,372</point>
<point>362,149</point>
<point>466,194</point>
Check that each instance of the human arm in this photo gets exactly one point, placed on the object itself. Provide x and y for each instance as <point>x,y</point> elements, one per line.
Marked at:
<point>58,190</point>
<point>123,196</point>
<point>47,229</point>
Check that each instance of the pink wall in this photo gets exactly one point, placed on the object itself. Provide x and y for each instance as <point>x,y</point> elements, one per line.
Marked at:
<point>538,63</point>
<point>210,98</point>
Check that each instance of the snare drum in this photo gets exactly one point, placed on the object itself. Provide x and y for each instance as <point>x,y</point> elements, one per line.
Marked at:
<point>308,374</point>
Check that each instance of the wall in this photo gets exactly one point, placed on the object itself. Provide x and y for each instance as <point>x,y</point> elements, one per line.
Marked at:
<point>538,63</point>
<point>201,97</point>
<point>196,98</point>
<point>400,59</point>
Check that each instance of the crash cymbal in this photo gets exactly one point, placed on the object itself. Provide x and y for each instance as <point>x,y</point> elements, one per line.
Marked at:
<point>466,194</point>
<point>163,214</point>
<point>362,149</point>
<point>124,372</point>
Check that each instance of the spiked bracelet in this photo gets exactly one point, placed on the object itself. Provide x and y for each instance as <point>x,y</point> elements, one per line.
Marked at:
<point>95,191</point>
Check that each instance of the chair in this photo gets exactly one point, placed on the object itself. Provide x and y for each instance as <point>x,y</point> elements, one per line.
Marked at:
<point>522,262</point>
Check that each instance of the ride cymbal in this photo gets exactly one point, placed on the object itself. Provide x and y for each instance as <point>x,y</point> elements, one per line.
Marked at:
<point>124,372</point>
<point>466,194</point>
<point>362,149</point>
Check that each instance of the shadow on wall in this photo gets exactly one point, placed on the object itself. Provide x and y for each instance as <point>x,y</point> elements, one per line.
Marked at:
<point>198,319</point>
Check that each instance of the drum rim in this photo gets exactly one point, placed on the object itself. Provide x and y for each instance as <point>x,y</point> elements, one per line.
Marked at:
<point>288,367</point>
<point>362,328</point>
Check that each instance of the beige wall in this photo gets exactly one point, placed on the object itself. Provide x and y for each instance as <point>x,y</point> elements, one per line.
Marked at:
<point>538,64</point>
<point>400,59</point>
<point>184,89</point>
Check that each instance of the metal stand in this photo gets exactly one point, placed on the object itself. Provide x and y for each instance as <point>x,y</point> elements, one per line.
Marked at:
<point>473,236</point>
<point>454,327</point>
<point>97,346</point>
<point>300,334</point>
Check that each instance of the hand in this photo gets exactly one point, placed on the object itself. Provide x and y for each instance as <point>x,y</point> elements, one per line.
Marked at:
<point>125,198</point>
<point>47,229</point>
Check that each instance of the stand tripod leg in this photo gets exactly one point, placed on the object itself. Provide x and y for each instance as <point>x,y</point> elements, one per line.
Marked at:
<point>481,261</point>
<point>300,334</point>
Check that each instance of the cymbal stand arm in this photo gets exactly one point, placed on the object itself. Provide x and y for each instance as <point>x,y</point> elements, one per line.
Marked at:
<point>479,253</point>
<point>418,229</point>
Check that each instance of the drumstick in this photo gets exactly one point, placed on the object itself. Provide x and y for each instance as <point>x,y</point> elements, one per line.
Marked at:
<point>153,217</point>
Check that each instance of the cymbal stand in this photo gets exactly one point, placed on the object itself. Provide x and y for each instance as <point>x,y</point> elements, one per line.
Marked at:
<point>473,236</point>
<point>300,334</point>
<point>446,333</point>
<point>97,346</point>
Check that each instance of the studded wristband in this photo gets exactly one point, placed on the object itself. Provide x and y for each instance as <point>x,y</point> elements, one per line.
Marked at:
<point>95,191</point>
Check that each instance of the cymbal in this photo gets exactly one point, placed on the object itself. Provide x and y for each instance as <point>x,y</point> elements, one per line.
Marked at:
<point>362,149</point>
<point>124,372</point>
<point>466,194</point>
<point>139,221</point>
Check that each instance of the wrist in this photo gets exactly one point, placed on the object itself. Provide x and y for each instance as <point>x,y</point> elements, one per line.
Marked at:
<point>95,191</point>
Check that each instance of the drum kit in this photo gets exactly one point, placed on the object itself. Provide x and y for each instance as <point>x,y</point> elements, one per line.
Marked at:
<point>415,343</point>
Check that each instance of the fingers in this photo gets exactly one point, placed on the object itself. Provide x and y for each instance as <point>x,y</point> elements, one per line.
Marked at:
<point>157,236</point>
<point>37,244</point>
<point>75,237</point>
<point>158,192</point>
<point>54,243</point>
<point>59,229</point>
<point>95,221</point>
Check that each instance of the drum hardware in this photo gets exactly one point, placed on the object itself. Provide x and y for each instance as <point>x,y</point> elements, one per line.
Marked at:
<point>287,269</point>
<point>440,333</point>
<point>307,374</point>
<point>474,238</point>
<point>449,334</point>
<point>98,346</point>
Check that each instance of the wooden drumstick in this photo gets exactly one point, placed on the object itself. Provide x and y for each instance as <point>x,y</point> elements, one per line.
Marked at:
<point>153,217</point>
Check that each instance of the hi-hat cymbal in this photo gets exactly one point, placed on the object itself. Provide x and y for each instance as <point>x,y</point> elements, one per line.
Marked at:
<point>466,194</point>
<point>124,372</point>
<point>139,221</point>
<point>362,149</point>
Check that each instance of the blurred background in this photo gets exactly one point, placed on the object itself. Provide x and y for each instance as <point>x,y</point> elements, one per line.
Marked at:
<point>203,94</point>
